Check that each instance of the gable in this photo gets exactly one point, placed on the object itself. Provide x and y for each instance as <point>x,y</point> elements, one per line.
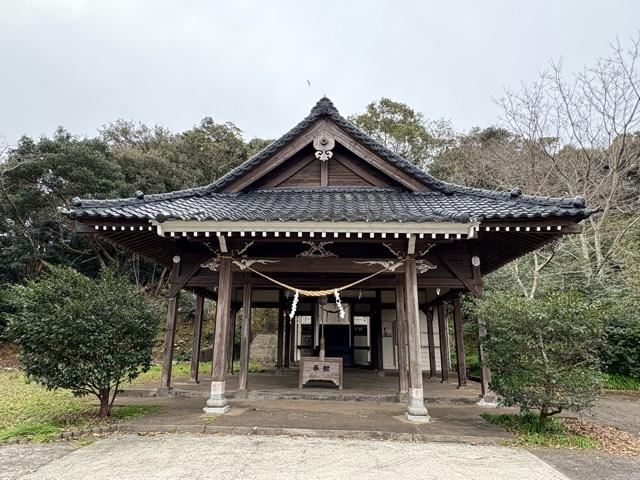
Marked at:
<point>324,154</point>
<point>343,169</point>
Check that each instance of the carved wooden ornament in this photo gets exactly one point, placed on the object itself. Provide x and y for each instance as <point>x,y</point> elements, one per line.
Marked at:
<point>323,144</point>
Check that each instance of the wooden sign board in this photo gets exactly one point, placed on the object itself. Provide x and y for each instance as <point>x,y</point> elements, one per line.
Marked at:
<point>314,368</point>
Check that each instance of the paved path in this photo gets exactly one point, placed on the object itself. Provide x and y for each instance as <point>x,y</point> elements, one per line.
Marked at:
<point>243,457</point>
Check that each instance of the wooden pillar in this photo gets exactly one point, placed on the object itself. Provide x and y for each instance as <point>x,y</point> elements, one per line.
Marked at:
<point>231,339</point>
<point>197,339</point>
<point>287,341</point>
<point>377,315</point>
<point>401,322</point>
<point>169,340</point>
<point>460,360</point>
<point>485,372</point>
<point>432,346</point>
<point>416,410</point>
<point>444,344</point>
<point>280,344</point>
<point>246,336</point>
<point>217,402</point>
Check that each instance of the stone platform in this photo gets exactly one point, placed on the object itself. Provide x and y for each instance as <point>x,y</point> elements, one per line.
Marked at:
<point>359,385</point>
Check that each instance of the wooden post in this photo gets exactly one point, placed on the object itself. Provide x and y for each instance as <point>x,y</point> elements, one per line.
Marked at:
<point>485,372</point>
<point>246,336</point>
<point>280,344</point>
<point>432,346</point>
<point>169,340</point>
<point>231,339</point>
<point>416,411</point>
<point>197,339</point>
<point>444,344</point>
<point>287,341</point>
<point>377,313</point>
<point>217,402</point>
<point>460,360</point>
<point>401,322</point>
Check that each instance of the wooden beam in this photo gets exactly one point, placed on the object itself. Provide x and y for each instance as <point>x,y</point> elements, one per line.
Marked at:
<point>197,339</point>
<point>416,410</point>
<point>182,280</point>
<point>217,402</point>
<point>460,360</point>
<point>290,172</point>
<point>246,336</point>
<point>401,322</point>
<point>324,173</point>
<point>474,289</point>
<point>223,243</point>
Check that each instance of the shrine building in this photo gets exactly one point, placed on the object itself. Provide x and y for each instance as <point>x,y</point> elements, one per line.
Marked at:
<point>363,254</point>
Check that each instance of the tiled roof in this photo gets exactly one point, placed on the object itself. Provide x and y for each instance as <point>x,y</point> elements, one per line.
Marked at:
<point>326,204</point>
<point>446,201</point>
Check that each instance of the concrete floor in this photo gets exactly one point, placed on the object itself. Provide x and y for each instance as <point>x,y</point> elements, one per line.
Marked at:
<point>320,418</point>
<point>245,457</point>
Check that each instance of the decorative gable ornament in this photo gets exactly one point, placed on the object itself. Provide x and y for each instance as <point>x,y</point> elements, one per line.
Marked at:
<point>323,144</point>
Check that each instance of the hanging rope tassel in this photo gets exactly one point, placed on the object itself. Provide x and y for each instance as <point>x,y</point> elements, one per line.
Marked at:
<point>339,303</point>
<point>294,306</point>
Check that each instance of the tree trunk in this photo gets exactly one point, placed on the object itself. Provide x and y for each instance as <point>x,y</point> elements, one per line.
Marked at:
<point>105,404</point>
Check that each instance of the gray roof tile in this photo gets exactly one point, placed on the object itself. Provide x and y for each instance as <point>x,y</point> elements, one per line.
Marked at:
<point>446,202</point>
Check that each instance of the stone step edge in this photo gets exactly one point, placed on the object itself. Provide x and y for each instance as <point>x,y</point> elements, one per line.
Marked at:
<point>293,395</point>
<point>312,433</point>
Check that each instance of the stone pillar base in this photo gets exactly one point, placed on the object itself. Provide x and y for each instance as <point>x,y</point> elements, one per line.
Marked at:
<point>417,418</point>
<point>216,410</point>
<point>488,401</point>
<point>217,402</point>
<point>416,411</point>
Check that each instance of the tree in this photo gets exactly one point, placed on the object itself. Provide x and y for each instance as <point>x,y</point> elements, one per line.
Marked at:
<point>543,352</point>
<point>581,135</point>
<point>82,334</point>
<point>405,131</point>
<point>36,179</point>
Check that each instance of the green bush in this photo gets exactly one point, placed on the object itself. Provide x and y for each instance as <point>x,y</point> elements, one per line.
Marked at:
<point>543,352</point>
<point>620,352</point>
<point>82,334</point>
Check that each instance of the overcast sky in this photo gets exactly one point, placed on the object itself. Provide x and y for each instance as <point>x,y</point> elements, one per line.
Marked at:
<point>81,64</point>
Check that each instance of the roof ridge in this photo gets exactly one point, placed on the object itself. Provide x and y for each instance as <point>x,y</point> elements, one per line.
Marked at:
<point>325,107</point>
<point>328,188</point>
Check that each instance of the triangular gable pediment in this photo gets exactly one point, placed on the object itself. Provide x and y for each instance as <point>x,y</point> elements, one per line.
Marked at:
<point>321,152</point>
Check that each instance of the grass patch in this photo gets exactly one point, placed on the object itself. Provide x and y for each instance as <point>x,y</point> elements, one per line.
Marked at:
<point>183,369</point>
<point>617,381</point>
<point>530,433</point>
<point>254,366</point>
<point>179,369</point>
<point>29,411</point>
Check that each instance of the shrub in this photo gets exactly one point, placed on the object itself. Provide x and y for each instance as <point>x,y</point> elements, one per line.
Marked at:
<point>86,335</point>
<point>620,352</point>
<point>543,352</point>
